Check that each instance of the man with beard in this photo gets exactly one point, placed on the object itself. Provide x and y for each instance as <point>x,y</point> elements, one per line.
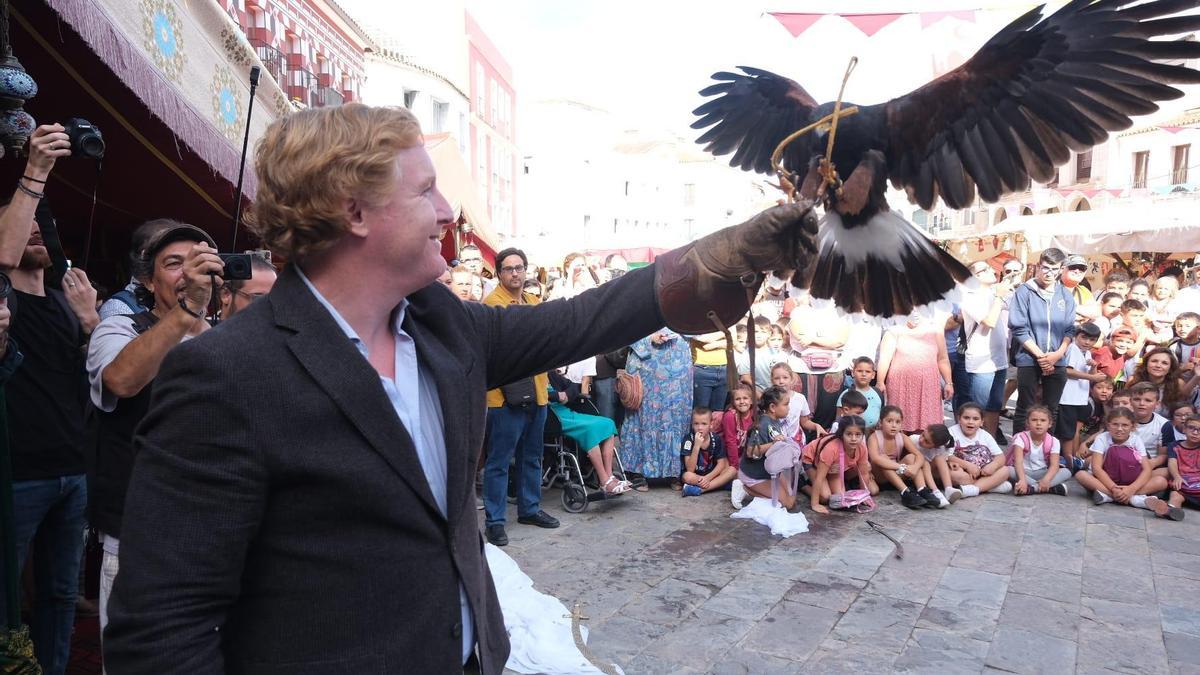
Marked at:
<point>45,401</point>
<point>178,270</point>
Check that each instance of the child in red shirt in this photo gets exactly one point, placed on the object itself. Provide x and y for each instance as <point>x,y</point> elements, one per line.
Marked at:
<point>1110,359</point>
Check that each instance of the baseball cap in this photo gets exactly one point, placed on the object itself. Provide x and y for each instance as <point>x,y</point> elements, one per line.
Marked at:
<point>173,233</point>
<point>1123,332</point>
<point>1092,330</point>
<point>1076,260</point>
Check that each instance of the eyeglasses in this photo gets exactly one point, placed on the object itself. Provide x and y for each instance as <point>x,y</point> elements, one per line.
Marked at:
<point>251,296</point>
<point>469,260</point>
<point>514,269</point>
<point>1078,268</point>
<point>1192,428</point>
<point>1052,271</point>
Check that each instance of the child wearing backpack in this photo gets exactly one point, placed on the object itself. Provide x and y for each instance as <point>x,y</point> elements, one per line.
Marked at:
<point>826,460</point>
<point>896,460</point>
<point>702,456</point>
<point>1033,457</point>
<point>935,444</point>
<point>752,469</point>
<point>1121,470</point>
<point>1183,461</point>
<point>977,465</point>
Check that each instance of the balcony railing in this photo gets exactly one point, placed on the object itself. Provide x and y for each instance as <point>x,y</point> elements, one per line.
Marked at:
<point>302,86</point>
<point>327,96</point>
<point>272,59</point>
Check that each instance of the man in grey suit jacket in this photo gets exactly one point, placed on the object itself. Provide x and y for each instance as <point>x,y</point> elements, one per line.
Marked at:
<point>302,499</point>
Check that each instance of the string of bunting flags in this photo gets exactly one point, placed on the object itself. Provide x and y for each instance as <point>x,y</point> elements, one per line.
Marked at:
<point>871,23</point>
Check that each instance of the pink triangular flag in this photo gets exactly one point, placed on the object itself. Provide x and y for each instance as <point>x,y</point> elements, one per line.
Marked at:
<point>870,24</point>
<point>1172,130</point>
<point>796,23</point>
<point>1090,193</point>
<point>930,18</point>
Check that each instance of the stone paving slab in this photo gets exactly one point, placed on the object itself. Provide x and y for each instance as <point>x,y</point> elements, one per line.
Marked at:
<point>996,583</point>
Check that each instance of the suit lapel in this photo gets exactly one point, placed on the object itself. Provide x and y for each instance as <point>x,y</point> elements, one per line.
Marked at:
<point>347,378</point>
<point>449,374</point>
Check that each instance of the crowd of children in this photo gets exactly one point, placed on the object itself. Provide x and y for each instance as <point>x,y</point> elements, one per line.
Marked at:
<point>1126,427</point>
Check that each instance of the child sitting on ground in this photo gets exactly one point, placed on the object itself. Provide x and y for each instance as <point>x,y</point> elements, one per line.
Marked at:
<point>1098,405</point>
<point>827,459</point>
<point>735,424</point>
<point>1033,464</point>
<point>1120,469</point>
<point>977,465</point>
<point>1074,405</point>
<point>702,456</point>
<point>862,373</point>
<point>1183,461</point>
<point>1149,424</point>
<point>752,470</point>
<point>935,444</point>
<point>799,419</point>
<point>851,404</point>
<point>1176,432</point>
<point>895,459</point>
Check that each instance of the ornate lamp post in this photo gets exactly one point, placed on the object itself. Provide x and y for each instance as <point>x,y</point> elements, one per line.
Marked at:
<point>16,87</point>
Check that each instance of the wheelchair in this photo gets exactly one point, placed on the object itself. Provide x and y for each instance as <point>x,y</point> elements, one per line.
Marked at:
<point>567,465</point>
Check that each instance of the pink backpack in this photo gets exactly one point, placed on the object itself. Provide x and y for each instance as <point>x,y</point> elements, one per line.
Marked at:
<point>1010,455</point>
<point>1122,463</point>
<point>858,500</point>
<point>783,456</point>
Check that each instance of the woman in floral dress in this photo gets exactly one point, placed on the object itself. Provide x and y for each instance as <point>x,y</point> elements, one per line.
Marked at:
<point>651,434</point>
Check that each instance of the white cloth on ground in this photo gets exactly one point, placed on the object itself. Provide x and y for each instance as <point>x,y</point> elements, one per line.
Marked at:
<point>538,625</point>
<point>775,517</point>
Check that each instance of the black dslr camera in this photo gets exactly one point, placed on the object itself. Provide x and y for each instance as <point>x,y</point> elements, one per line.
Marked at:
<point>5,286</point>
<point>238,266</point>
<point>86,140</point>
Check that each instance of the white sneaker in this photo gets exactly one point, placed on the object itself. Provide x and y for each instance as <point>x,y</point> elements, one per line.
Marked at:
<point>942,501</point>
<point>953,494</point>
<point>737,493</point>
<point>1003,488</point>
<point>1099,498</point>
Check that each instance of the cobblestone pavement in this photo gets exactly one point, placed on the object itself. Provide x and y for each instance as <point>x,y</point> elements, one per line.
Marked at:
<point>1040,584</point>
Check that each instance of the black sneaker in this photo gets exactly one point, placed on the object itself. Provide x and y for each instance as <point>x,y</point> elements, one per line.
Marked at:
<point>911,499</point>
<point>496,535</point>
<point>541,519</point>
<point>1060,490</point>
<point>931,500</point>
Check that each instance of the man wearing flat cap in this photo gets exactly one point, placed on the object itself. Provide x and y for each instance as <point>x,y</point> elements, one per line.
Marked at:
<point>176,270</point>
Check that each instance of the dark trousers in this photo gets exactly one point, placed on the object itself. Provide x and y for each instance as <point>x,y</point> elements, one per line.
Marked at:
<point>1028,379</point>
<point>961,380</point>
<point>50,518</point>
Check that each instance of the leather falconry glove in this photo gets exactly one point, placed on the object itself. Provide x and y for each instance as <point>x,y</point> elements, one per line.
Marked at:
<point>706,275</point>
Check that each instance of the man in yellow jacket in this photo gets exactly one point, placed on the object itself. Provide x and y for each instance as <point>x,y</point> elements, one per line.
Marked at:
<point>515,420</point>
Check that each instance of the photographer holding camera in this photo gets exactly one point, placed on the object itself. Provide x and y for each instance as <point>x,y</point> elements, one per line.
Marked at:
<point>45,401</point>
<point>178,269</point>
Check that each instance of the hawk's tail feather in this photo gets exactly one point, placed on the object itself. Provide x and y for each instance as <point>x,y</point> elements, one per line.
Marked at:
<point>883,269</point>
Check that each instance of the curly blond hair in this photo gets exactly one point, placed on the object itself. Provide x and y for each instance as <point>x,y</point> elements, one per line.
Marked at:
<point>309,163</point>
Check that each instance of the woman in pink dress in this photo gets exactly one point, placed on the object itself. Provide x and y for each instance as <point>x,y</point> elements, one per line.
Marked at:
<point>913,366</point>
